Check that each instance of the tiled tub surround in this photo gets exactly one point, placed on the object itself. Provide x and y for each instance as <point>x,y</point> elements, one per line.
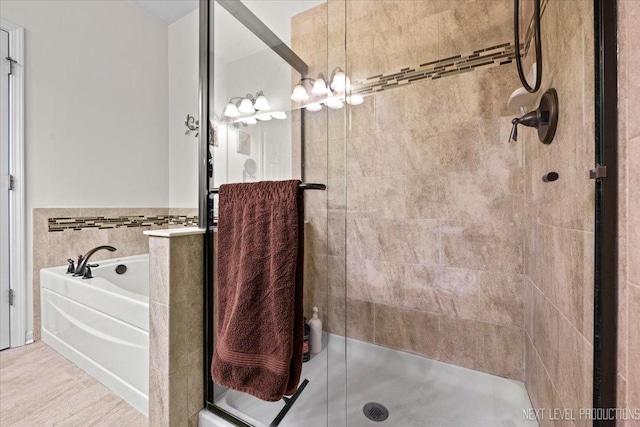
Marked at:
<point>434,204</point>
<point>62,233</point>
<point>559,220</point>
<point>629,207</point>
<point>176,278</point>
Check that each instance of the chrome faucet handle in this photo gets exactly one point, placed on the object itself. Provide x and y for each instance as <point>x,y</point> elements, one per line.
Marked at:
<point>71,268</point>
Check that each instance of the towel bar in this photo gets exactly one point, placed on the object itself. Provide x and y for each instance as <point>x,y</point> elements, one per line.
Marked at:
<point>303,186</point>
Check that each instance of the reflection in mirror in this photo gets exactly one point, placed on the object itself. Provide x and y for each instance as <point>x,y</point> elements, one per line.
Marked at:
<point>252,110</point>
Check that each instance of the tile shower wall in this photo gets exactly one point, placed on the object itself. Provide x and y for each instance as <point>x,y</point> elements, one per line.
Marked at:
<point>629,208</point>
<point>559,221</point>
<point>434,204</point>
<point>52,248</point>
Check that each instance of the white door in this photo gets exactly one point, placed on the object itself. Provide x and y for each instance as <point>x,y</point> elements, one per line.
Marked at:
<point>5,69</point>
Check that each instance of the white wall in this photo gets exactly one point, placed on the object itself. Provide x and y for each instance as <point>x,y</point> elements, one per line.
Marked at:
<point>96,106</point>
<point>183,100</point>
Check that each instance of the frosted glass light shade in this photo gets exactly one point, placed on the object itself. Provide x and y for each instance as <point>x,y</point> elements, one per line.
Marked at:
<point>319,87</point>
<point>246,107</point>
<point>354,99</point>
<point>339,82</point>
<point>261,103</point>
<point>335,103</point>
<point>280,115</point>
<point>314,107</point>
<point>299,94</point>
<point>231,110</point>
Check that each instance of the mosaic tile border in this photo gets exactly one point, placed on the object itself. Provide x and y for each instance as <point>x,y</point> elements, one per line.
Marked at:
<point>111,222</point>
<point>492,56</point>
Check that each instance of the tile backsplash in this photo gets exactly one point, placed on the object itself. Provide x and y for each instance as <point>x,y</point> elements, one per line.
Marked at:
<point>109,222</point>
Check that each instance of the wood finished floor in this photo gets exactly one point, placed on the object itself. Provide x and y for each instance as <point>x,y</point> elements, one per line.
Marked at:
<point>40,388</point>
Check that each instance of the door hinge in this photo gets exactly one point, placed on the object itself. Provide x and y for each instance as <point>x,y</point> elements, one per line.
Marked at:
<point>598,172</point>
<point>8,182</point>
<point>10,296</point>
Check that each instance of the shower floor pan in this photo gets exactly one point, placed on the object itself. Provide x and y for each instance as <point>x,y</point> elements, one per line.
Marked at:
<point>417,392</point>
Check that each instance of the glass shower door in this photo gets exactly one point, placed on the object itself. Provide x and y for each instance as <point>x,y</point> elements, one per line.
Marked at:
<point>264,56</point>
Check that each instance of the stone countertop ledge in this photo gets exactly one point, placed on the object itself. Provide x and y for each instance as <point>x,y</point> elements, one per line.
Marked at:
<point>173,232</point>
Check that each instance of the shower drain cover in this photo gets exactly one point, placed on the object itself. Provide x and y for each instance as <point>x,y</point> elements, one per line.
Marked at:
<point>375,411</point>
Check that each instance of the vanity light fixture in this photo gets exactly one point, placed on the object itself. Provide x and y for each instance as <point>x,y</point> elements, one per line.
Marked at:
<point>279,115</point>
<point>299,93</point>
<point>319,86</point>
<point>333,95</point>
<point>339,81</point>
<point>335,103</point>
<point>249,104</point>
<point>261,102</point>
<point>246,106</point>
<point>354,99</point>
<point>231,110</point>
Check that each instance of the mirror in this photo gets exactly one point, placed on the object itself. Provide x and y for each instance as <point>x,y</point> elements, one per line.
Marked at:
<point>528,44</point>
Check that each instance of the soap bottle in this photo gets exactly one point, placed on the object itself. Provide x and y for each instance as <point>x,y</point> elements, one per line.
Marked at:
<point>315,325</point>
<point>306,354</point>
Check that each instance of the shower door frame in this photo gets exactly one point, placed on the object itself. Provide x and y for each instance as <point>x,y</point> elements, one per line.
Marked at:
<point>605,337</point>
<point>605,210</point>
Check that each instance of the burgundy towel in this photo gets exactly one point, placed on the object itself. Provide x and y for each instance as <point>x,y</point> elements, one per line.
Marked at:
<point>259,275</point>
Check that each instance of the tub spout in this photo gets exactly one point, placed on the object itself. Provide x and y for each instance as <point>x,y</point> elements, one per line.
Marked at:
<point>81,268</point>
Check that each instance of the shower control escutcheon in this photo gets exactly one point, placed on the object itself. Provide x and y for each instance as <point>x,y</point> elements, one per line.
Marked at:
<point>544,118</point>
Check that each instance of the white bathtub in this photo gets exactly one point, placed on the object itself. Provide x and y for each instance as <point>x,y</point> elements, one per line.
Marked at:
<point>102,324</point>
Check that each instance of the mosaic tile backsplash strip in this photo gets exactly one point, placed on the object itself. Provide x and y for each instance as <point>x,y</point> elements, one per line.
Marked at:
<point>492,56</point>
<point>129,221</point>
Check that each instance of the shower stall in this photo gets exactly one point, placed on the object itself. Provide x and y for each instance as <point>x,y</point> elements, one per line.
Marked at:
<point>456,285</point>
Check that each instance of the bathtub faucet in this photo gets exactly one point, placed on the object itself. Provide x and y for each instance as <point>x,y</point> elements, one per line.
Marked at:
<point>81,268</point>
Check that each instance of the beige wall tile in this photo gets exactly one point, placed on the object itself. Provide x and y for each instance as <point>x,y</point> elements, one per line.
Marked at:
<point>159,271</point>
<point>375,281</point>
<point>361,119</point>
<point>158,397</point>
<point>634,209</point>
<point>494,246</point>
<point>458,341</point>
<point>448,291</point>
<point>176,330</point>
<point>381,197</point>
<point>633,363</point>
<point>405,241</point>
<point>623,307</point>
<point>501,350</point>
<point>159,337</point>
<point>501,298</point>
<point>408,330</point>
